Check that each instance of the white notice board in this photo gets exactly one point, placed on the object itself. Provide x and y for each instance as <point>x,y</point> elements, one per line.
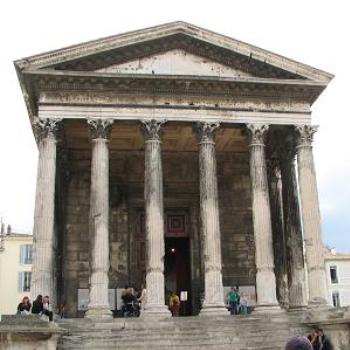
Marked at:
<point>83,299</point>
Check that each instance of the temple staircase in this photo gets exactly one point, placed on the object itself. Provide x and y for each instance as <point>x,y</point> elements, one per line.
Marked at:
<point>190,333</point>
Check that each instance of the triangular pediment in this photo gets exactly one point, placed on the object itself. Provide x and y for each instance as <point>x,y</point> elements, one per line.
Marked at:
<point>175,62</point>
<point>177,48</point>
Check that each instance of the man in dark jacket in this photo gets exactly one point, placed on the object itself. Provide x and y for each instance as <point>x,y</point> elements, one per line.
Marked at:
<point>325,343</point>
<point>320,341</point>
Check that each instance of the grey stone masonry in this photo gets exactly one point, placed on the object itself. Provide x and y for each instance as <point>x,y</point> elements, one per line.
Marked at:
<point>43,256</point>
<point>99,223</point>
<point>209,209</point>
<point>265,276</point>
<point>155,248</point>
<point>311,215</point>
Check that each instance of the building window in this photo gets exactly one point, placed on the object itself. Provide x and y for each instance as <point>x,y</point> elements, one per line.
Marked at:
<point>26,253</point>
<point>336,299</point>
<point>334,274</point>
<point>24,279</point>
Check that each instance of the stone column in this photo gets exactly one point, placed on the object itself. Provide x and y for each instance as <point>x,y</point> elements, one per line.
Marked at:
<point>293,228</point>
<point>278,233</point>
<point>43,280</point>
<point>264,260</point>
<point>209,211</point>
<point>155,249</point>
<point>311,215</point>
<point>99,213</point>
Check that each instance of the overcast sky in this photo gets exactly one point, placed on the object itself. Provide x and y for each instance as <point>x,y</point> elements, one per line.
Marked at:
<point>312,32</point>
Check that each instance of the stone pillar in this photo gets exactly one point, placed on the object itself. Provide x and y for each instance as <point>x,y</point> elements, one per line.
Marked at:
<point>278,233</point>
<point>209,211</point>
<point>264,260</point>
<point>155,249</point>
<point>293,228</point>
<point>311,215</point>
<point>99,223</point>
<point>43,280</point>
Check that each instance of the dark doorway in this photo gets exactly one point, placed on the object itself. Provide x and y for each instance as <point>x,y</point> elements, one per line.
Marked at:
<point>178,271</point>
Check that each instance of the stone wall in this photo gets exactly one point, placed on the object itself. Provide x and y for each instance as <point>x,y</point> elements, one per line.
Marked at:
<point>236,219</point>
<point>181,190</point>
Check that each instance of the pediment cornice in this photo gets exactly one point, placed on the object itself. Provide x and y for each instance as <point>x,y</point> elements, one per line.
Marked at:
<point>121,48</point>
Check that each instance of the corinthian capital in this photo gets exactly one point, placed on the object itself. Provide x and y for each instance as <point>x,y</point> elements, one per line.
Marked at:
<point>257,134</point>
<point>46,128</point>
<point>305,134</point>
<point>152,129</point>
<point>100,128</point>
<point>206,131</point>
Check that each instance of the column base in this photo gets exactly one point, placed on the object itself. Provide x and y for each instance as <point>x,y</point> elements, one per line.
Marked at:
<point>297,308</point>
<point>317,302</point>
<point>214,310</point>
<point>156,311</point>
<point>268,309</point>
<point>98,311</point>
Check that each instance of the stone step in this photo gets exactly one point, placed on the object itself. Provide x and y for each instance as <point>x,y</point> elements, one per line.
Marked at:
<point>234,333</point>
<point>206,339</point>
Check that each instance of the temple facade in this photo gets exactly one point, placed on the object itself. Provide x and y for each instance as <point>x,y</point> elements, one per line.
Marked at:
<point>177,158</point>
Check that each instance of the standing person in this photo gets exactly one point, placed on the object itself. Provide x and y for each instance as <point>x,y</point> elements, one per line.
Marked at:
<point>174,304</point>
<point>243,304</point>
<point>128,301</point>
<point>323,340</point>
<point>47,308</point>
<point>38,305</point>
<point>234,300</point>
<point>24,306</point>
<point>142,298</point>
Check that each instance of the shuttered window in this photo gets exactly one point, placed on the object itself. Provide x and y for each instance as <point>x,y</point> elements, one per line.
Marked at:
<point>26,253</point>
<point>24,279</point>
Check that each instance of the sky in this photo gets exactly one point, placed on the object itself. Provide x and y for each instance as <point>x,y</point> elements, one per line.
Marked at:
<point>312,32</point>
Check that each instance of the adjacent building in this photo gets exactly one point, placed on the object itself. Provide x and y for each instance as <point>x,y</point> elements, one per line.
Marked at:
<point>15,270</point>
<point>338,277</point>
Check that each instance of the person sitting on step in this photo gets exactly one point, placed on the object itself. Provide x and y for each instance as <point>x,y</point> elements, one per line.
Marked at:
<point>23,307</point>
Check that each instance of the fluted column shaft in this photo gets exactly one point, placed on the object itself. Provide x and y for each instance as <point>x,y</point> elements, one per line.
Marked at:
<point>42,281</point>
<point>209,209</point>
<point>279,241</point>
<point>311,215</point>
<point>99,223</point>
<point>293,231</point>
<point>155,249</point>
<point>264,260</point>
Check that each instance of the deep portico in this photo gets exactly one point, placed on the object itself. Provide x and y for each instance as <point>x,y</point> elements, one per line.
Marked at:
<point>167,156</point>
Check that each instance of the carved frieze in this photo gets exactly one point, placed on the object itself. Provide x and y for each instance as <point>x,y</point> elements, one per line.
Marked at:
<point>100,128</point>
<point>174,84</point>
<point>166,101</point>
